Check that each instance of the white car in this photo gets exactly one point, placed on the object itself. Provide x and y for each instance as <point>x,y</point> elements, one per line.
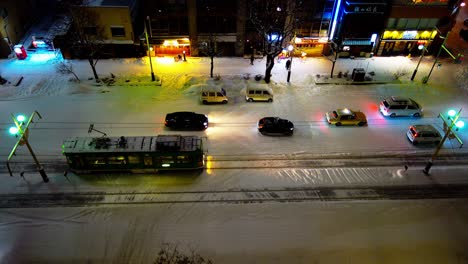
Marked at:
<point>423,134</point>
<point>400,106</point>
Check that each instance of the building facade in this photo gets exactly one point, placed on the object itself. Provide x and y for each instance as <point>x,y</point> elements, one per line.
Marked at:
<point>16,17</point>
<point>412,23</point>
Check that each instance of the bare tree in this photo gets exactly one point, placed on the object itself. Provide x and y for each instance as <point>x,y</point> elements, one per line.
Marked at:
<point>66,67</point>
<point>210,49</point>
<point>86,35</point>
<point>275,21</point>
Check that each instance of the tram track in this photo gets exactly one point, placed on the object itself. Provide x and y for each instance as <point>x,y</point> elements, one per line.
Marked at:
<point>242,196</point>
<point>57,164</point>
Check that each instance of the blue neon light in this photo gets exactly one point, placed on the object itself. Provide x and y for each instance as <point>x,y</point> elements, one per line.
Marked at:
<point>337,10</point>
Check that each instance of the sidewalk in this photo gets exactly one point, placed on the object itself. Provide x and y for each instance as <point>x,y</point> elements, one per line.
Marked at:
<point>379,78</point>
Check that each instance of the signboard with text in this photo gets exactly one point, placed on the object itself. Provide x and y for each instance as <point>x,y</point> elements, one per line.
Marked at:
<point>364,8</point>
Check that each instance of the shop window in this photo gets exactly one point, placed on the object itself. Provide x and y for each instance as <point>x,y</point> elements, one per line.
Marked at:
<point>412,23</point>
<point>423,23</point>
<point>432,22</point>
<point>401,24</point>
<point>118,31</point>
<point>391,23</point>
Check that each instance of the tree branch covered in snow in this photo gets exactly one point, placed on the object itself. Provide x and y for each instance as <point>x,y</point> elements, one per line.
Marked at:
<point>66,67</point>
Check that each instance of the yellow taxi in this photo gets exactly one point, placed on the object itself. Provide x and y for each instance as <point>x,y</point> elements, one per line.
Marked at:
<point>345,116</point>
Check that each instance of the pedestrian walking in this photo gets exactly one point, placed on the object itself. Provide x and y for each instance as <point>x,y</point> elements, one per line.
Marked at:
<point>252,58</point>
<point>288,65</point>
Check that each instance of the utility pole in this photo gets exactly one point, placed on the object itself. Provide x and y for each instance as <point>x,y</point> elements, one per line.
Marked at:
<point>426,79</point>
<point>22,132</point>
<point>290,49</point>
<point>149,51</point>
<point>335,49</point>
<point>420,58</point>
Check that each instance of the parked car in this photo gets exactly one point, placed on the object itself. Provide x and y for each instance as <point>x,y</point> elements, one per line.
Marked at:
<point>208,96</point>
<point>400,106</point>
<point>186,120</point>
<point>275,126</point>
<point>345,116</point>
<point>423,134</point>
<point>258,94</point>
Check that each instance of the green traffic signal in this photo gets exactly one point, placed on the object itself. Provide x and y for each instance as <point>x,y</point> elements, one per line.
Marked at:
<point>20,118</point>
<point>451,113</point>
<point>13,130</point>
<point>460,124</point>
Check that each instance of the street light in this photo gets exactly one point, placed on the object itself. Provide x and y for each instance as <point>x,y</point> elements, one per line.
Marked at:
<point>423,48</point>
<point>290,48</point>
<point>149,51</point>
<point>450,122</point>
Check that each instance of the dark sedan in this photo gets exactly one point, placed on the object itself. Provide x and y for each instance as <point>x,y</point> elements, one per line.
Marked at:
<point>186,120</point>
<point>275,126</point>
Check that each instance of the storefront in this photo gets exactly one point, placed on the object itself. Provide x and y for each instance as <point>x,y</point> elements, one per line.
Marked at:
<point>171,46</point>
<point>397,43</point>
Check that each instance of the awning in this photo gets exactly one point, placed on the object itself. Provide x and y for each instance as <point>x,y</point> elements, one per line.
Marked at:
<point>351,42</point>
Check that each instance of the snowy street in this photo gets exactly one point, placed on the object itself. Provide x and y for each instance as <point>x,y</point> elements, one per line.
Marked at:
<point>323,195</point>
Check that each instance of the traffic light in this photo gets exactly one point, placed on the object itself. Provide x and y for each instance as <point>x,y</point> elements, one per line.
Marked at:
<point>21,130</point>
<point>450,122</point>
<point>451,113</point>
<point>14,131</point>
<point>19,123</point>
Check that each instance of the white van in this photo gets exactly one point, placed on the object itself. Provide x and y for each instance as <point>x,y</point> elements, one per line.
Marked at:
<point>258,94</point>
<point>208,96</point>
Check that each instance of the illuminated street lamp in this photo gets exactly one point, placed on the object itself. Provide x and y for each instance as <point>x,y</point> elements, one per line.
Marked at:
<point>290,49</point>
<point>423,48</point>
<point>450,122</point>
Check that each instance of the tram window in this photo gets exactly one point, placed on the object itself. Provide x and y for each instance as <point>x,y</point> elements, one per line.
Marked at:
<point>166,159</point>
<point>133,159</point>
<point>116,160</point>
<point>183,159</point>
<point>77,161</point>
<point>96,160</point>
<point>148,161</point>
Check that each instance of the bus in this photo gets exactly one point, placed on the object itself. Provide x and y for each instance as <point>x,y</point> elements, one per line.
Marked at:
<point>140,154</point>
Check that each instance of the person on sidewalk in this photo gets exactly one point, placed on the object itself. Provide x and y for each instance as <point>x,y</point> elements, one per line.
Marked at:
<point>288,65</point>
